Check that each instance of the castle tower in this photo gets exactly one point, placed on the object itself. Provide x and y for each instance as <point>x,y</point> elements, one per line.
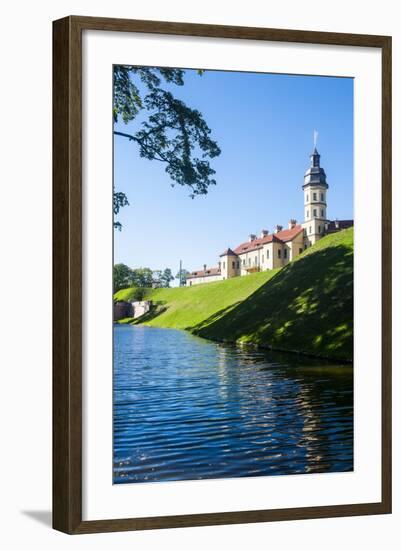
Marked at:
<point>229,264</point>
<point>315,200</point>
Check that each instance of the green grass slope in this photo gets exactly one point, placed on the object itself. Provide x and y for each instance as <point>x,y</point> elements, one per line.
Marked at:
<point>306,307</point>
<point>131,294</point>
<point>188,307</point>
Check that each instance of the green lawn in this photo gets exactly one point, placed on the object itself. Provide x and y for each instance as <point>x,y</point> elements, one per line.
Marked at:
<point>187,307</point>
<point>306,306</point>
<point>128,294</point>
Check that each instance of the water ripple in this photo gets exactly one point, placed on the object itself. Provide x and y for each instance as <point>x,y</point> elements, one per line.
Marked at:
<point>186,408</point>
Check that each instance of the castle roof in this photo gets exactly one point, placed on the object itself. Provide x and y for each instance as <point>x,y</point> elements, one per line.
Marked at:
<point>282,236</point>
<point>338,225</point>
<point>315,175</point>
<point>205,273</point>
<point>228,252</point>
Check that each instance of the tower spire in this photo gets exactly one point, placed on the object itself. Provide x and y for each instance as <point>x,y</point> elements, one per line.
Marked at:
<point>315,157</point>
<point>315,134</point>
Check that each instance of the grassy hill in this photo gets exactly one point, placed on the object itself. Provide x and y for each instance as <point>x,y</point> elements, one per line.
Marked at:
<point>131,294</point>
<point>306,306</point>
<point>188,307</point>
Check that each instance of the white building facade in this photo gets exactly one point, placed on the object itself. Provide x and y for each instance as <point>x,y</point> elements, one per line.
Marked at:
<point>277,249</point>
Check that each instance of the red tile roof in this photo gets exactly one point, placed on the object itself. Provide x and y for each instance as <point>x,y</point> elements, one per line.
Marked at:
<point>205,273</point>
<point>281,236</point>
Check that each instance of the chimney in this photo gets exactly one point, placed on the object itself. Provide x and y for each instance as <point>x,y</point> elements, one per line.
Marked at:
<point>264,233</point>
<point>278,228</point>
<point>204,267</point>
<point>252,237</point>
<point>292,223</point>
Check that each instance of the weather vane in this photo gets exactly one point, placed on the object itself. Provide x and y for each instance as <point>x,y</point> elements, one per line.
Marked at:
<point>315,134</point>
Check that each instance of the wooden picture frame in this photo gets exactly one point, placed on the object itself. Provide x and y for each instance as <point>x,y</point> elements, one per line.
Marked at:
<point>67,274</point>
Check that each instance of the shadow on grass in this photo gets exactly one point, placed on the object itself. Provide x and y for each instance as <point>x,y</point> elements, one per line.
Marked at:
<point>154,312</point>
<point>306,307</point>
<point>213,318</point>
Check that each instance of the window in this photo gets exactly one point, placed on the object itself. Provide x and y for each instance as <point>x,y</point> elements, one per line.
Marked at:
<point>322,213</point>
<point>233,265</point>
<point>238,264</point>
<point>300,251</point>
<point>256,260</point>
<point>304,232</point>
<point>322,197</point>
<point>307,198</point>
<point>285,253</point>
<point>319,229</point>
<point>243,262</point>
<point>314,212</point>
<point>224,265</point>
<point>279,252</point>
<point>310,229</point>
<point>314,196</point>
<point>267,254</point>
<point>307,214</point>
<point>249,261</point>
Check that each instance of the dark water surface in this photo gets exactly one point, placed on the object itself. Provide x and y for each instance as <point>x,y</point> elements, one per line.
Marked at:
<point>187,408</point>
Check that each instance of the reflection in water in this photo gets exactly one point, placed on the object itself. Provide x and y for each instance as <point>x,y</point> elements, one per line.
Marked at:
<point>187,408</point>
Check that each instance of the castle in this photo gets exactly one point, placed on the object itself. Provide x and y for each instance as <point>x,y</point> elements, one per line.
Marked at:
<point>270,251</point>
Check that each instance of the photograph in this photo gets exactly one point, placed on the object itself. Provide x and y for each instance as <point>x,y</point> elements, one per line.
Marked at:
<point>233,274</point>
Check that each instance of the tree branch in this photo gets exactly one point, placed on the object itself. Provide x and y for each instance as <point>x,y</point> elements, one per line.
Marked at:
<point>146,147</point>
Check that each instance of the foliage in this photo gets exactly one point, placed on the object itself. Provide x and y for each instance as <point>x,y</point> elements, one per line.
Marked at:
<point>142,277</point>
<point>132,294</point>
<point>133,280</point>
<point>157,278</point>
<point>139,294</point>
<point>166,277</point>
<point>172,132</point>
<point>121,276</point>
<point>182,276</point>
<point>119,200</point>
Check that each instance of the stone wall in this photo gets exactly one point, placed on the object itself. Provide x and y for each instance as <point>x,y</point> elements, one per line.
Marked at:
<point>140,308</point>
<point>121,310</point>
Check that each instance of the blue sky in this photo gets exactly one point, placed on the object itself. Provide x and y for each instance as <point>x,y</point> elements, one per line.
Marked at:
<point>264,125</point>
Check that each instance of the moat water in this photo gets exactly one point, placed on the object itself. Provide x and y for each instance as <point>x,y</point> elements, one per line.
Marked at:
<point>187,408</point>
